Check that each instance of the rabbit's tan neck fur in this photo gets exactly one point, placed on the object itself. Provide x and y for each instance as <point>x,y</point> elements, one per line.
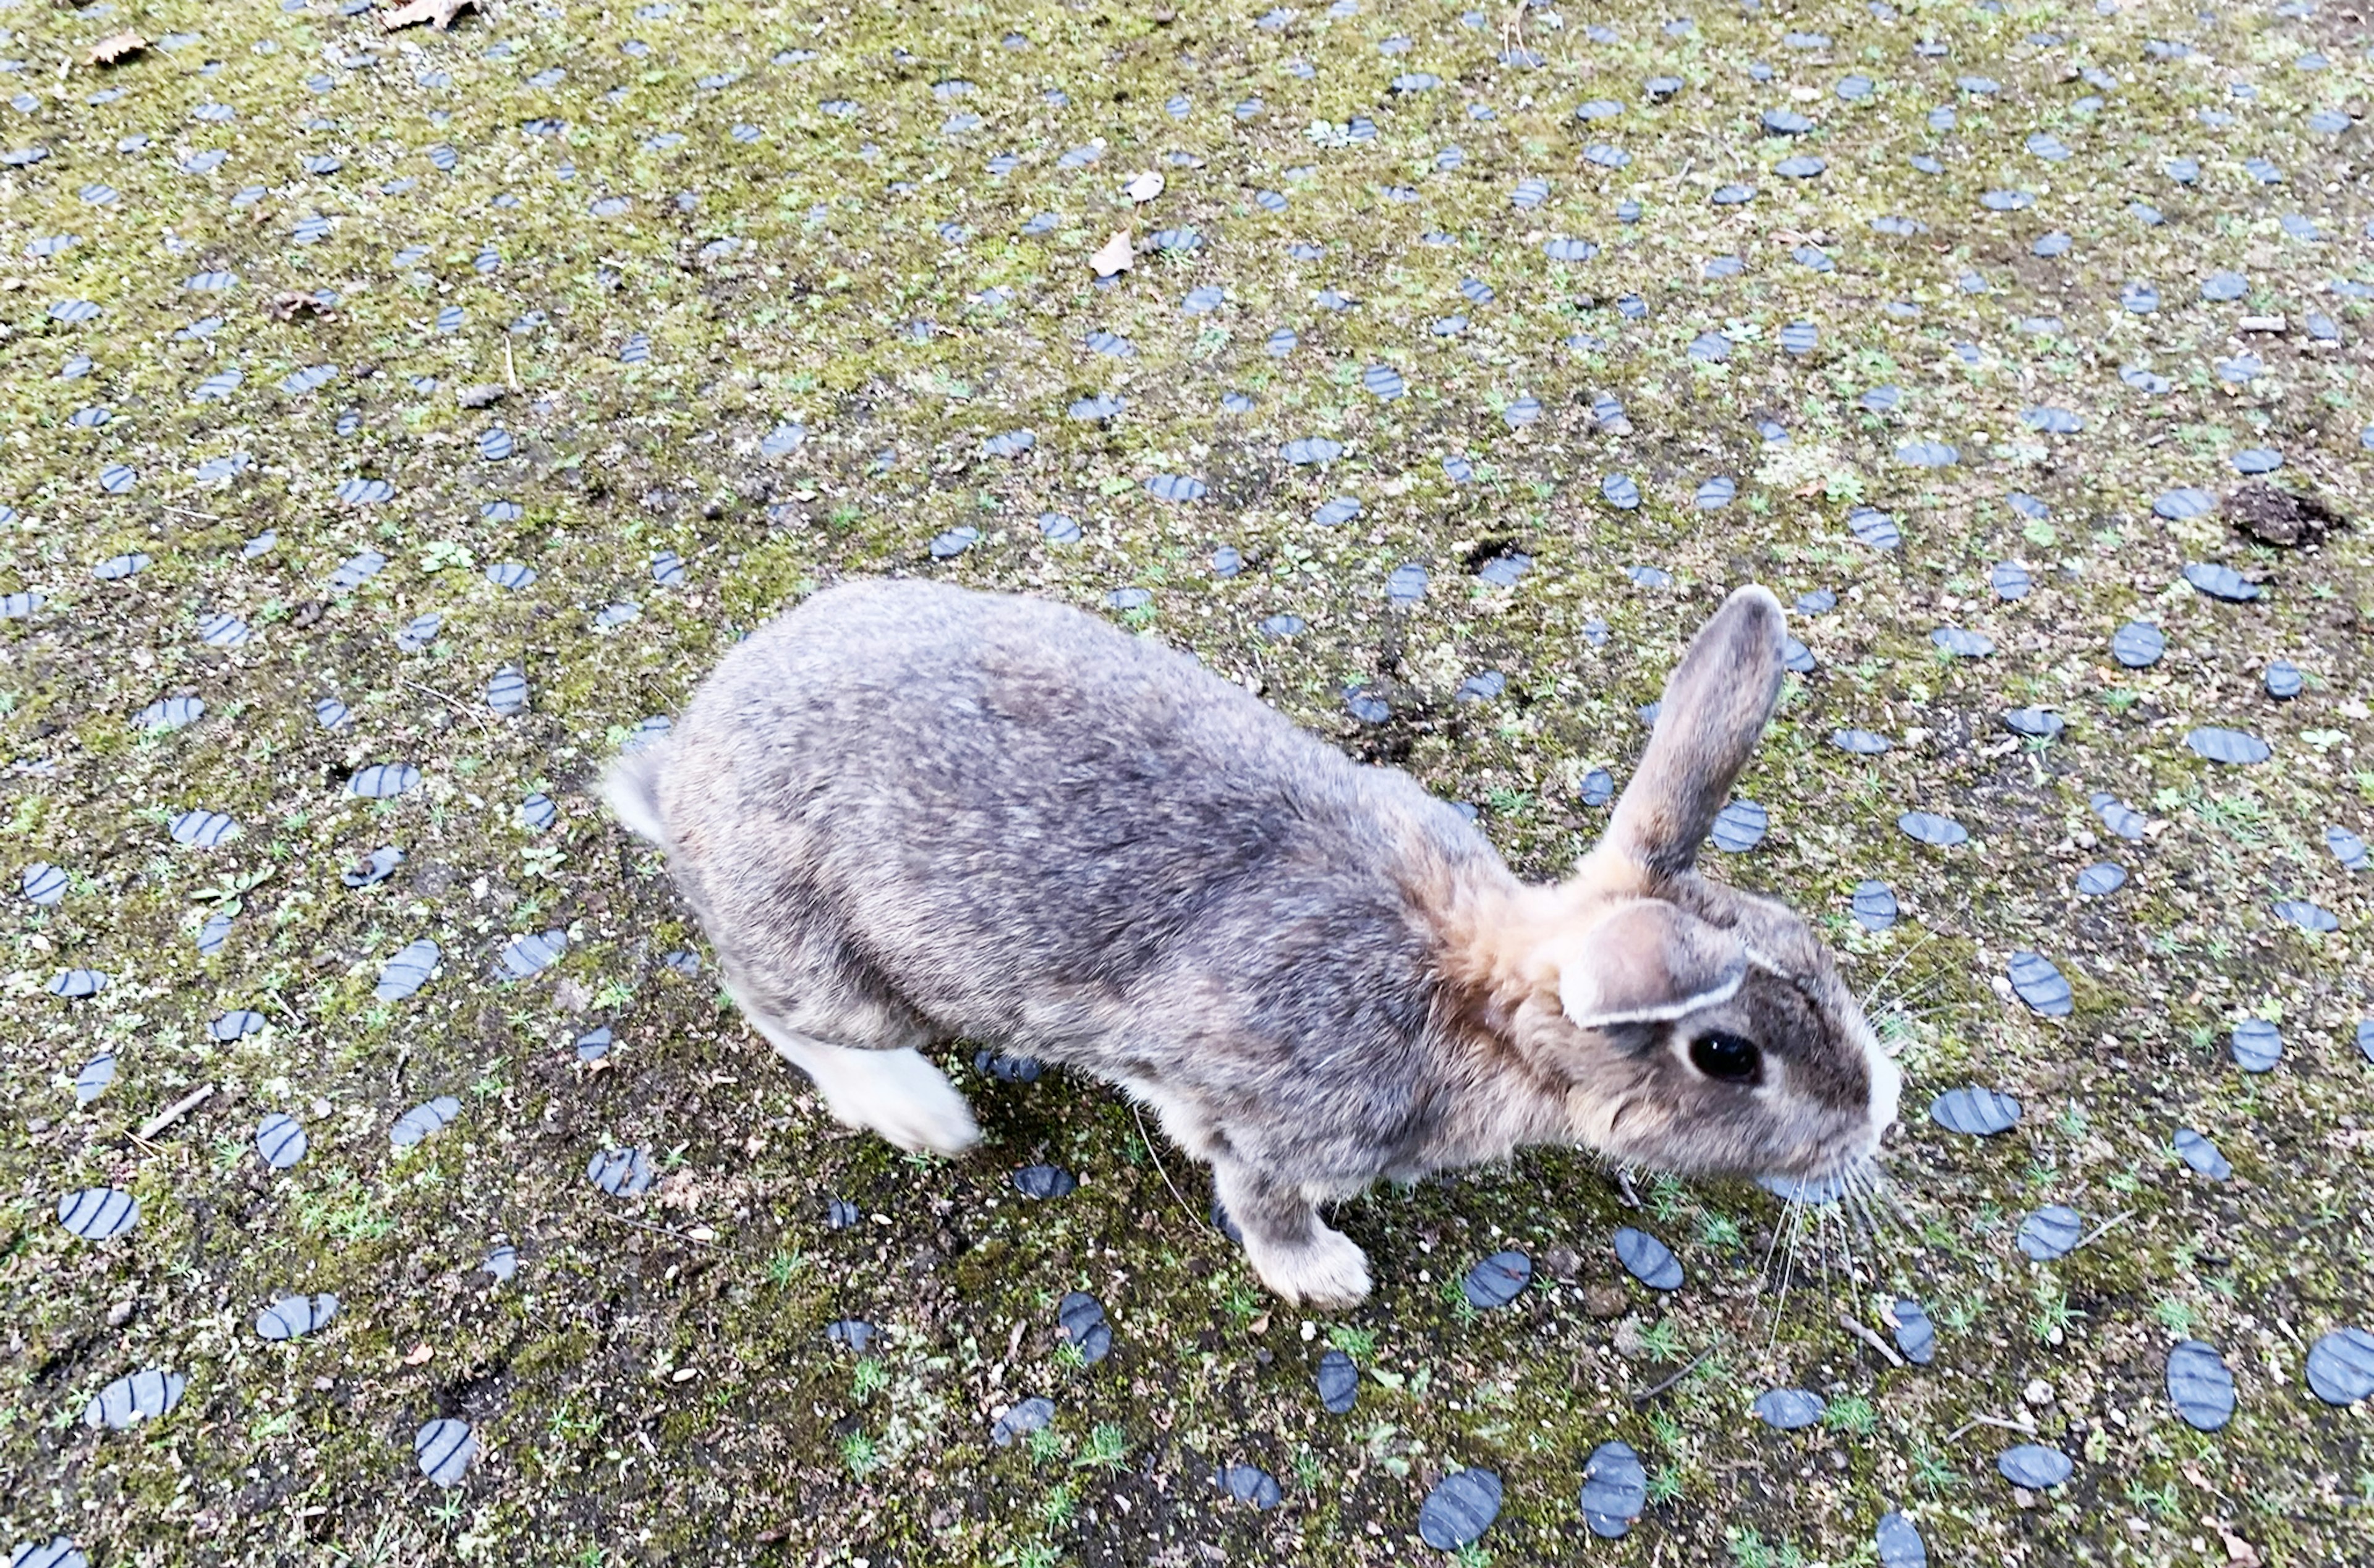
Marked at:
<point>1501,1004</point>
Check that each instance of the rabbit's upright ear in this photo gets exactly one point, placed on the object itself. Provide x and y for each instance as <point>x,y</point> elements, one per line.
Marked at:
<point>1646,962</point>
<point>1717,702</point>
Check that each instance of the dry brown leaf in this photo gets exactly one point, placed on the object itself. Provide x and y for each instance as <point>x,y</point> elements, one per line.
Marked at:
<point>438,14</point>
<point>680,1190</point>
<point>2240,1553</point>
<point>418,1355</point>
<point>1115,255</point>
<point>117,46</point>
<point>290,306</point>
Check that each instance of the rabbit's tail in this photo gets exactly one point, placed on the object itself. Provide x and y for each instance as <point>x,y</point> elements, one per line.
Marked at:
<point>630,785</point>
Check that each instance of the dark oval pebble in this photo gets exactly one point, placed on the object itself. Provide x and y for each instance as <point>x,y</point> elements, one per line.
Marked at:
<point>280,1141</point>
<point>293,1318</point>
<point>2101,878</point>
<point>1899,1543</point>
<point>1875,906</point>
<point>1248,1483</point>
<point>1928,827</point>
<point>146,1394</point>
<point>1339,1383</point>
<point>2036,982</point>
<point>2341,1366</point>
<point>2051,1233</point>
<point>620,1172</point>
<point>1739,826</point>
<point>2200,1387</point>
<point>2221,582</point>
<point>2202,1155</point>
<point>95,1213</point>
<point>2236,748</point>
<point>1045,1181</point>
<point>1614,1490</point>
<point>1020,1420</point>
<point>2138,645</point>
<point>1497,1279</point>
<point>443,1450</point>
<point>1646,1260</point>
<point>1460,1509</point>
<point>1916,1336</point>
<point>1980,1113</point>
<point>2034,1466</point>
<point>2257,1046</point>
<point>1789,1409</point>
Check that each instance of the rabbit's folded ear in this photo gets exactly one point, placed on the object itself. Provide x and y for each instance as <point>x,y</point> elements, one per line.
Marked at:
<point>1646,962</point>
<point>1717,702</point>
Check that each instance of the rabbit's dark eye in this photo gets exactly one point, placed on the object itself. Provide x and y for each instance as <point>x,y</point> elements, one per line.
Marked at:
<point>1726,1058</point>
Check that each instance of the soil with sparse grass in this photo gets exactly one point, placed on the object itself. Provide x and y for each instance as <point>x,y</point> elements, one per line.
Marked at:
<point>610,332</point>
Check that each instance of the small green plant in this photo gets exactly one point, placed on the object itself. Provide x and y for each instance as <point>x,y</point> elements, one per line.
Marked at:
<point>2053,1315</point>
<point>1933,1472</point>
<point>1718,1230</point>
<point>2176,1315</point>
<point>1055,1510</point>
<point>858,1452</point>
<point>1747,1546</point>
<point>1852,1414</point>
<point>1664,1485</point>
<point>2161,1500</point>
<point>1662,1340</point>
<point>781,1266</point>
<point>1360,1344</point>
<point>1045,1443</point>
<point>1106,1447</point>
<point>1472,1555</point>
<point>869,1378</point>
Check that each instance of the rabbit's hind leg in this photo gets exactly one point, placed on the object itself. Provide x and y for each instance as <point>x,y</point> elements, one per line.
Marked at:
<point>1296,1253</point>
<point>896,1091</point>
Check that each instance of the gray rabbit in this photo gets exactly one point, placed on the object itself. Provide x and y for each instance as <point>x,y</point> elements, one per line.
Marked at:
<point>907,812</point>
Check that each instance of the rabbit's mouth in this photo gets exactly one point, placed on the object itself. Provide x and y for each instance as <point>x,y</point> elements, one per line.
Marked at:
<point>1838,1179</point>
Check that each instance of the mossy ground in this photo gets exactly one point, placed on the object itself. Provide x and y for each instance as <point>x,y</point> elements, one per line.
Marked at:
<point>655,1385</point>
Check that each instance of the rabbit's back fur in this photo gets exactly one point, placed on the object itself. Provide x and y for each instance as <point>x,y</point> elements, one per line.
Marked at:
<point>908,812</point>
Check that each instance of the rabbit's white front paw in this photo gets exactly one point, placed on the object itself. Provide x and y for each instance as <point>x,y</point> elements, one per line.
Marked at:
<point>901,1095</point>
<point>1328,1270</point>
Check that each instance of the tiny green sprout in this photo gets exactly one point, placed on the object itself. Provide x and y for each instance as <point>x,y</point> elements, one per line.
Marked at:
<point>782,1266</point>
<point>1718,1230</point>
<point>869,1377</point>
<point>1056,1509</point>
<point>858,1452</point>
<point>1107,1448</point>
<point>1045,1443</point>
<point>1933,1472</point>
<point>2161,1500</point>
<point>1852,1414</point>
<point>2176,1315</point>
<point>1747,1546</point>
<point>1360,1344</point>
<point>1472,1555</point>
<point>1662,1340</point>
<point>1664,1485</point>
